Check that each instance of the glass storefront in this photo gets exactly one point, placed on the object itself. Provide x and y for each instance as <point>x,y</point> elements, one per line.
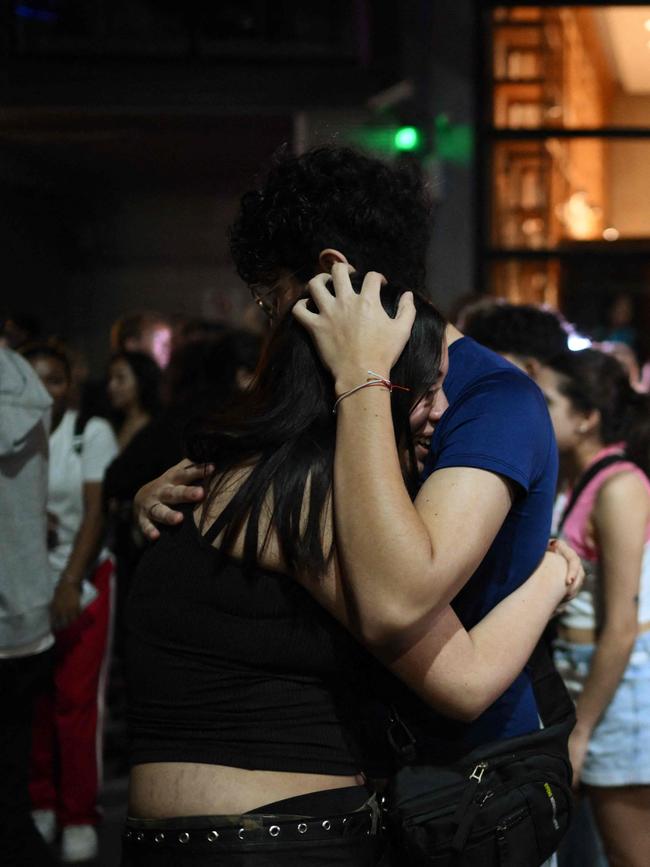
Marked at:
<point>565,155</point>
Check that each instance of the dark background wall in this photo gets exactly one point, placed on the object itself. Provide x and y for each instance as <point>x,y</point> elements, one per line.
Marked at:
<point>110,214</point>
<point>122,157</point>
<point>451,93</point>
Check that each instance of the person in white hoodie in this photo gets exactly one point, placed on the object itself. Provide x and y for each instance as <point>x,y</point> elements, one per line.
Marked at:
<point>25,595</point>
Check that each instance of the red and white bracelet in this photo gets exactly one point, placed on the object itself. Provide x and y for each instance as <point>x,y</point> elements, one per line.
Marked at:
<point>376,380</point>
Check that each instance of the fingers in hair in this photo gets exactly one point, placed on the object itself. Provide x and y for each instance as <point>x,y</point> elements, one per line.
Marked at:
<point>341,277</point>
<point>307,318</point>
<point>319,290</point>
<point>371,286</point>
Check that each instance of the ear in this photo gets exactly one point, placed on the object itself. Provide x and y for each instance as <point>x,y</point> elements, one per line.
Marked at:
<point>328,257</point>
<point>590,422</point>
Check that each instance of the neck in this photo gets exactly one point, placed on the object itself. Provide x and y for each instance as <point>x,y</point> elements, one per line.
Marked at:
<point>452,334</point>
<point>585,452</point>
<point>134,413</point>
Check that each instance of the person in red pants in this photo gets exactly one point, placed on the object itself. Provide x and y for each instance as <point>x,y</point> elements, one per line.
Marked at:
<point>66,760</point>
<point>66,753</point>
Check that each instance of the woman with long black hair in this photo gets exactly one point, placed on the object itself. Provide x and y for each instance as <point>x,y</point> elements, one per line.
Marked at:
<point>134,382</point>
<point>249,687</point>
<point>134,390</point>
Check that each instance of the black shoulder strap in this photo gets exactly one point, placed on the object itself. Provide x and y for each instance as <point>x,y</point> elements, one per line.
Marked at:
<point>78,432</point>
<point>554,704</point>
<point>584,480</point>
<point>217,526</point>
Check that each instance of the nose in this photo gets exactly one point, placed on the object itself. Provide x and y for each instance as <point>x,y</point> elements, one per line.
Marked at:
<point>438,407</point>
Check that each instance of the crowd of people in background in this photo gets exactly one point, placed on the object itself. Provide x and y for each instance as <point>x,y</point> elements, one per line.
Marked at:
<point>74,453</point>
<point>105,439</point>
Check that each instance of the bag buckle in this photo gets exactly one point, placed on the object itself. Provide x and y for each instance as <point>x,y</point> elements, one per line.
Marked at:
<point>477,773</point>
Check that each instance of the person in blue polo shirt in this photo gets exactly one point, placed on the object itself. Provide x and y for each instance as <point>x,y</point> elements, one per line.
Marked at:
<point>497,422</point>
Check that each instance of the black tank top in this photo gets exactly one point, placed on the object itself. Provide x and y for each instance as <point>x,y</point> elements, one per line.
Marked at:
<point>243,670</point>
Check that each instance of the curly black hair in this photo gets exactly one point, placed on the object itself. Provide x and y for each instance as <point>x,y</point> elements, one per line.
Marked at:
<point>378,215</point>
<point>518,329</point>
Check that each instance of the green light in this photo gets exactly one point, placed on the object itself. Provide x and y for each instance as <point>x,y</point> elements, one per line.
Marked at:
<point>454,142</point>
<point>407,138</point>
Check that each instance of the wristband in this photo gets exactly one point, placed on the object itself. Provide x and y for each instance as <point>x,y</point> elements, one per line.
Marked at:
<point>375,380</point>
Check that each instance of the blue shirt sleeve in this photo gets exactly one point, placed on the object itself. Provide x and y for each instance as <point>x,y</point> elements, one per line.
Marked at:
<point>500,424</point>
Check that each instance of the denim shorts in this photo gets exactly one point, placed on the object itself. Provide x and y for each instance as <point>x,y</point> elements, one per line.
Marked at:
<point>619,748</point>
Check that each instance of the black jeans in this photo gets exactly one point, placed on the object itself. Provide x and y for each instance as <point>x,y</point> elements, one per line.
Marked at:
<point>338,827</point>
<point>21,679</point>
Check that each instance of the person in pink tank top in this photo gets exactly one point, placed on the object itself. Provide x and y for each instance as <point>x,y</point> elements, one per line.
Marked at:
<point>602,428</point>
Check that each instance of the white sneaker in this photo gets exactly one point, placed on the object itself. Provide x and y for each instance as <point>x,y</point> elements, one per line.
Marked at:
<point>45,821</point>
<point>79,843</point>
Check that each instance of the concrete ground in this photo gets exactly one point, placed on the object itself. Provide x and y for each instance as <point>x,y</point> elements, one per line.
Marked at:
<point>113,803</point>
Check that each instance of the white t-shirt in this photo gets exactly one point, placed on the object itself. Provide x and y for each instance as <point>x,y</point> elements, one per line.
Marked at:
<point>73,461</point>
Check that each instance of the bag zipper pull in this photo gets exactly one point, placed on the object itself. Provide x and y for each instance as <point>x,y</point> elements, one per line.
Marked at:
<point>467,808</point>
<point>483,798</point>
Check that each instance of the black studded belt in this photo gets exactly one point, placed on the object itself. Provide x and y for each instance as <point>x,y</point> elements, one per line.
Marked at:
<point>216,831</point>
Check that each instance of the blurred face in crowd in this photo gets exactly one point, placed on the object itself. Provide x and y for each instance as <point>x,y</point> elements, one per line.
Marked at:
<point>567,421</point>
<point>427,412</point>
<point>155,340</point>
<point>158,344</point>
<point>122,386</point>
<point>54,377</point>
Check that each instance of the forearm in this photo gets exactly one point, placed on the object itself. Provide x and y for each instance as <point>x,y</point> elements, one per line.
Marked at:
<point>379,532</point>
<point>608,665</point>
<point>620,518</point>
<point>86,546</point>
<point>462,673</point>
<point>405,561</point>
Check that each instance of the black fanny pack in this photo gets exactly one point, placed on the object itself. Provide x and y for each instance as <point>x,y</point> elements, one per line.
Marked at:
<point>505,804</point>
